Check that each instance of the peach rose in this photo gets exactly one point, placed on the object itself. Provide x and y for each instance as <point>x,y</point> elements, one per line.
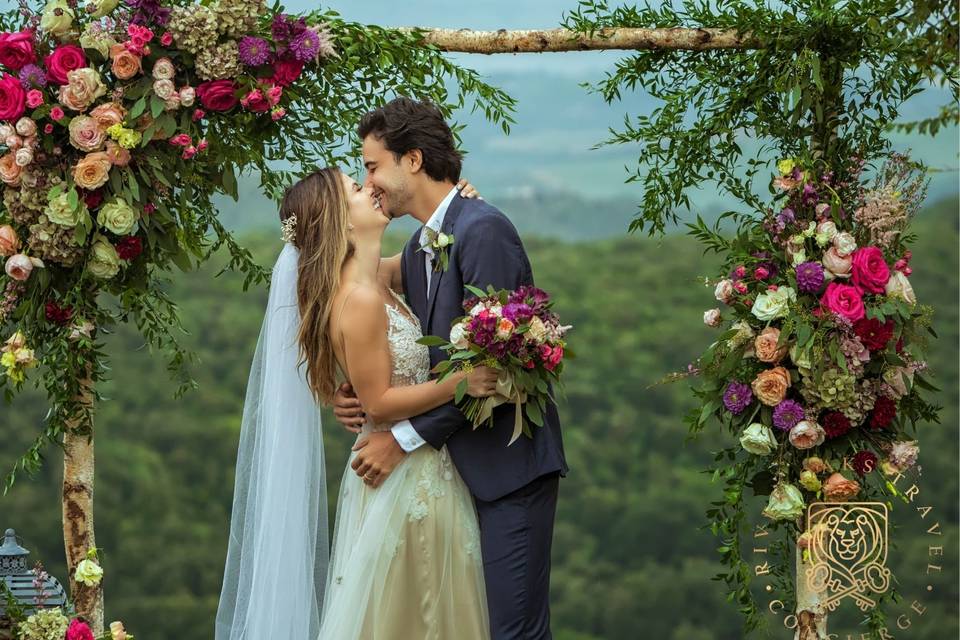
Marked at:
<point>9,242</point>
<point>807,435</point>
<point>9,169</point>
<point>765,346</point>
<point>84,86</point>
<point>108,114</point>
<point>18,267</point>
<point>125,63</point>
<point>836,488</point>
<point>771,386</point>
<point>85,134</point>
<point>92,171</point>
<point>117,154</point>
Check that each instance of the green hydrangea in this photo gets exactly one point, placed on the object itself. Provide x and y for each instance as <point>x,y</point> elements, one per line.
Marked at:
<point>46,624</point>
<point>221,61</point>
<point>194,27</point>
<point>238,17</point>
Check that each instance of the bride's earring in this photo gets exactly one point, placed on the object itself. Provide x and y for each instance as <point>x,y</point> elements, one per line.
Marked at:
<point>349,227</point>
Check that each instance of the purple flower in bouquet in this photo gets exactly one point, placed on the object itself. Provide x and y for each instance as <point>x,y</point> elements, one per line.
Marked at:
<point>517,312</point>
<point>310,44</point>
<point>786,216</point>
<point>253,51</point>
<point>536,298</point>
<point>286,27</point>
<point>809,277</point>
<point>149,11</point>
<point>809,196</point>
<point>787,414</point>
<point>737,397</point>
<point>32,76</point>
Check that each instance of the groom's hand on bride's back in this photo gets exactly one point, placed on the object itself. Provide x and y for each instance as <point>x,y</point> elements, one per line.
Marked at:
<point>347,409</point>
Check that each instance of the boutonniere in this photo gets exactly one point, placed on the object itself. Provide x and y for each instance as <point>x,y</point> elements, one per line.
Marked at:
<point>440,243</point>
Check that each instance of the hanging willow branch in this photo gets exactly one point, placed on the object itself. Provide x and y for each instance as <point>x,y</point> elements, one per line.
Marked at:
<point>555,40</point>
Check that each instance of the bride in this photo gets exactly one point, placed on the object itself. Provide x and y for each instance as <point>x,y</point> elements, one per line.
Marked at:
<point>405,562</point>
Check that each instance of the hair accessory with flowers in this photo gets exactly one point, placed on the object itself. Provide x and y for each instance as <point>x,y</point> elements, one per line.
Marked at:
<point>289,229</point>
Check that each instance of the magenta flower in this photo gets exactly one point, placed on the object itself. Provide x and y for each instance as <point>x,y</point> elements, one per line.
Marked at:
<point>787,414</point>
<point>737,397</point>
<point>253,51</point>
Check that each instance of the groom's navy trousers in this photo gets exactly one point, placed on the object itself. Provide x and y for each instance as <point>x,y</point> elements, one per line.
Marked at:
<point>514,487</point>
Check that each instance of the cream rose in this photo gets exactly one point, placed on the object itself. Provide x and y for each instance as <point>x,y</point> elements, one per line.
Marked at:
<point>164,89</point>
<point>88,572</point>
<point>92,171</point>
<point>538,330</point>
<point>86,134</point>
<point>99,41</point>
<point>104,262</point>
<point>458,336</point>
<point>758,439</point>
<point>712,318</point>
<point>800,358</point>
<point>108,114</point>
<point>771,386</point>
<point>118,217</point>
<point>807,434</point>
<point>24,156</point>
<point>9,169</point>
<point>59,211</point>
<point>826,231</point>
<point>898,286</point>
<point>19,267</point>
<point>187,96</point>
<point>844,243</point>
<point>163,69</point>
<point>765,346</point>
<point>836,264</point>
<point>786,503</point>
<point>723,292</point>
<point>83,88</point>
<point>26,127</point>
<point>7,130</point>
<point>117,632</point>
<point>102,8</point>
<point>57,18</point>
<point>771,305</point>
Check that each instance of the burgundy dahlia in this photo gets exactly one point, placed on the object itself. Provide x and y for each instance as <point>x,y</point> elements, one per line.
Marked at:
<point>835,424</point>
<point>884,411</point>
<point>872,333</point>
<point>129,247</point>
<point>57,314</point>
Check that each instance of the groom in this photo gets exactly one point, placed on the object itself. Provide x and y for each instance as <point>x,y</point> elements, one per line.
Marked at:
<point>413,166</point>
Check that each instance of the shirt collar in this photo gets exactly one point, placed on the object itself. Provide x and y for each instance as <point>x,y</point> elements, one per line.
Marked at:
<point>435,222</point>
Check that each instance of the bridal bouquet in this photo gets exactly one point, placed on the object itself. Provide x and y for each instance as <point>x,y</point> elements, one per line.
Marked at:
<point>517,333</point>
<point>819,373</point>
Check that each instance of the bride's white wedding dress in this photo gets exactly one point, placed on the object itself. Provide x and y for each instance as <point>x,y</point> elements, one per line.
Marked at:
<point>406,561</point>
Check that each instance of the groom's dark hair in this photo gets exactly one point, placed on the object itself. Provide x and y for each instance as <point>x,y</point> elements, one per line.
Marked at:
<point>404,124</point>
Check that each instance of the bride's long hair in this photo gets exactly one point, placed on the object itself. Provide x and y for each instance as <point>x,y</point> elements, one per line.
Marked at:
<point>320,204</point>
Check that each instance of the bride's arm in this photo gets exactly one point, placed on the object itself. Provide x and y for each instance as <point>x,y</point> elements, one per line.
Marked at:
<point>367,355</point>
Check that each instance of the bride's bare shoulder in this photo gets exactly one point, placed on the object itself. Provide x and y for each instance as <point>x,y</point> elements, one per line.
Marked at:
<point>360,304</point>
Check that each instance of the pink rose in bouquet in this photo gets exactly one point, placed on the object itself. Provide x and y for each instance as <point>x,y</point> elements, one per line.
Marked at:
<point>16,49</point>
<point>870,270</point>
<point>218,95</point>
<point>843,299</point>
<point>62,61</point>
<point>13,98</point>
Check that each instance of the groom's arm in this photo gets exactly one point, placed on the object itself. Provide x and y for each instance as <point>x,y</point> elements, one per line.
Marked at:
<point>490,253</point>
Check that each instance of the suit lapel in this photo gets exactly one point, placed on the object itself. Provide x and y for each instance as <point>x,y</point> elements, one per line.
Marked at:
<point>453,212</point>
<point>416,278</point>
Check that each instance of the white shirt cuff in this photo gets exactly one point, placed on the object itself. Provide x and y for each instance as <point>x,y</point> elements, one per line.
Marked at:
<point>407,436</point>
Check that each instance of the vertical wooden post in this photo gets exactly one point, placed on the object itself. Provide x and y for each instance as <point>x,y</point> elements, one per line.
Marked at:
<point>78,533</point>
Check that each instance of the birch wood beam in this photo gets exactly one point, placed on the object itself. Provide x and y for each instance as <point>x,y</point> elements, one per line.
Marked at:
<point>554,40</point>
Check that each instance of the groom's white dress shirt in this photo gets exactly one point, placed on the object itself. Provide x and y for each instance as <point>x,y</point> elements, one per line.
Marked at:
<point>403,431</point>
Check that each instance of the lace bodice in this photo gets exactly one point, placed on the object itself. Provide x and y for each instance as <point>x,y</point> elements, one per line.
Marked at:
<point>411,361</point>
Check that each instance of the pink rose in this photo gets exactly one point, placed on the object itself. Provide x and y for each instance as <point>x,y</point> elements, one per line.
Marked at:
<point>78,630</point>
<point>218,95</point>
<point>255,101</point>
<point>844,300</point>
<point>57,114</point>
<point>16,49</point>
<point>117,154</point>
<point>277,113</point>
<point>34,98</point>
<point>870,270</point>
<point>180,140</point>
<point>18,267</point>
<point>63,60</point>
<point>189,152</point>
<point>286,71</point>
<point>198,114</point>
<point>13,98</point>
<point>48,128</point>
<point>86,134</point>
<point>166,39</point>
<point>273,95</point>
<point>9,242</point>
<point>9,169</point>
<point>836,264</point>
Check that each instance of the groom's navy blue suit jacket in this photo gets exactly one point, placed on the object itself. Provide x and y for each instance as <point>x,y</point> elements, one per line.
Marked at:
<point>486,251</point>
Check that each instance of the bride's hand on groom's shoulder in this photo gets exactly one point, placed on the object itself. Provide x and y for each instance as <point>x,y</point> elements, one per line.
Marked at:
<point>468,191</point>
<point>347,409</point>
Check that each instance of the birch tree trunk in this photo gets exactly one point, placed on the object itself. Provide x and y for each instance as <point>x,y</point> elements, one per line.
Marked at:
<point>553,40</point>
<point>78,534</point>
<point>811,614</point>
